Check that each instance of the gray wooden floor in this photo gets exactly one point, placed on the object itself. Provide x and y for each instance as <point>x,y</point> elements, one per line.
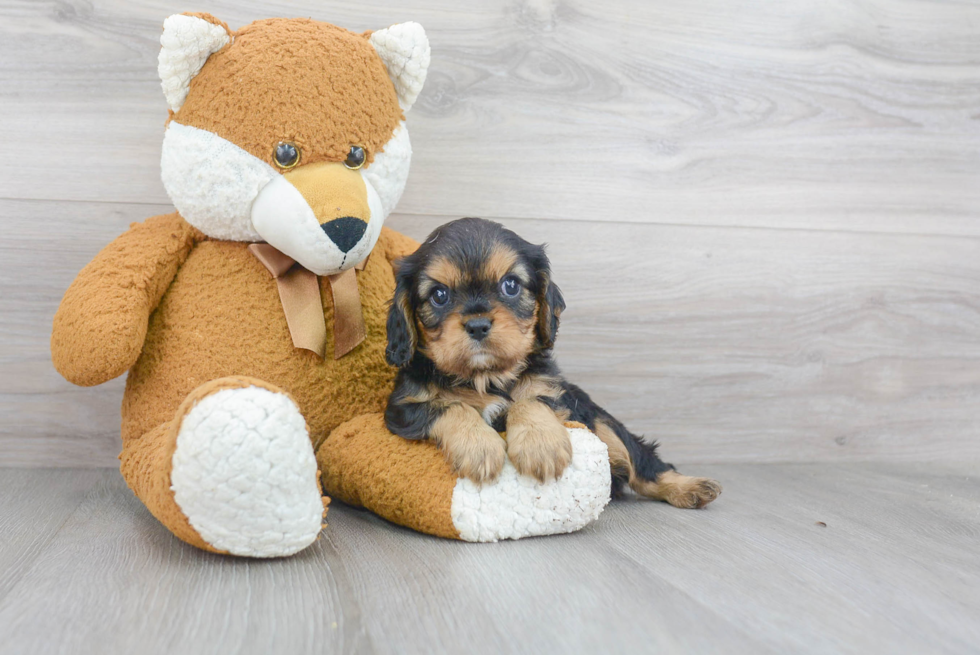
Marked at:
<point>794,558</point>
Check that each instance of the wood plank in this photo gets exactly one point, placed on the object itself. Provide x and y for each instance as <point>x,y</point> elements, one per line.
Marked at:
<point>116,580</point>
<point>572,594</point>
<point>763,345</point>
<point>44,421</point>
<point>726,344</point>
<point>34,505</point>
<point>759,345</point>
<point>857,117</point>
<point>894,570</point>
<point>412,593</point>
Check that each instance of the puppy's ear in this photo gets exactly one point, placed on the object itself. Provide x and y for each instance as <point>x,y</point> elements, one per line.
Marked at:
<point>550,302</point>
<point>402,338</point>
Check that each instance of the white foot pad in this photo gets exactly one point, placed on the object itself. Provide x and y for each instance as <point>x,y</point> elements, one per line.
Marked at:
<point>244,473</point>
<point>516,506</point>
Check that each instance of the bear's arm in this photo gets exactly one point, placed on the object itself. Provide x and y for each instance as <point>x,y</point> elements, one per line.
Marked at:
<point>101,323</point>
<point>396,244</point>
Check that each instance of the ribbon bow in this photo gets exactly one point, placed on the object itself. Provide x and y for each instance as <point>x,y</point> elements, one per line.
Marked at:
<point>299,292</point>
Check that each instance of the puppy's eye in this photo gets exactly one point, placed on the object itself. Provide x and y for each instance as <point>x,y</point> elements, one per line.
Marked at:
<point>439,296</point>
<point>286,154</point>
<point>355,158</point>
<point>510,286</point>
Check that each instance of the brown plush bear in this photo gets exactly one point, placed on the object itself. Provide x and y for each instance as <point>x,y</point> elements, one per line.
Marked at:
<point>252,320</point>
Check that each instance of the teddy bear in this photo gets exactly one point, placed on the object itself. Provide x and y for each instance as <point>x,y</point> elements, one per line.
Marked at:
<point>251,320</point>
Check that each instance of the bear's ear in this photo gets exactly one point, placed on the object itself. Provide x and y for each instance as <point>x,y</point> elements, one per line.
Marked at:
<point>404,49</point>
<point>187,42</point>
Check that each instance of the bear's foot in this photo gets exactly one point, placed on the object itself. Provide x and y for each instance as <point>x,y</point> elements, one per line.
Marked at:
<point>244,473</point>
<point>233,472</point>
<point>410,483</point>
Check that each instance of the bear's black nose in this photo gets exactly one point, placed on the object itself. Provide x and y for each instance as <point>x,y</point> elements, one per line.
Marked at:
<point>345,231</point>
<point>478,328</point>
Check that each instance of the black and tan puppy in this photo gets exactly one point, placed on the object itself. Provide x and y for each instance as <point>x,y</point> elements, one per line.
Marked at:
<point>471,328</point>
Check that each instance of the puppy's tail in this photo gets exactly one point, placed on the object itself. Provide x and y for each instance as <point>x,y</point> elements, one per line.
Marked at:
<point>635,462</point>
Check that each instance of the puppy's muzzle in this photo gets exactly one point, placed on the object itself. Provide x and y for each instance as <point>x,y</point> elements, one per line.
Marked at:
<point>478,328</point>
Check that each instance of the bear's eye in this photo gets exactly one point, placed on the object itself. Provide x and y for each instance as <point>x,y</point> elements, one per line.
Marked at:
<point>355,158</point>
<point>286,154</point>
<point>510,286</point>
<point>439,296</point>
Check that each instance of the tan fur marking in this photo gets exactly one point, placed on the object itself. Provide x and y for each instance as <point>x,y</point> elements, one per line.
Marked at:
<point>536,386</point>
<point>619,457</point>
<point>537,442</point>
<point>488,405</point>
<point>444,271</point>
<point>543,313</point>
<point>510,340</point>
<point>679,490</point>
<point>498,263</point>
<point>500,379</point>
<point>411,323</point>
<point>471,447</point>
<point>448,346</point>
<point>498,360</point>
<point>472,397</point>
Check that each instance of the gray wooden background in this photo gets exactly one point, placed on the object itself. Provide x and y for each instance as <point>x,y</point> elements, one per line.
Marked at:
<point>764,215</point>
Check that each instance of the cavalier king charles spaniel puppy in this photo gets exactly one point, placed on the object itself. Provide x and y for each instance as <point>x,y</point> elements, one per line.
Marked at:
<point>471,330</point>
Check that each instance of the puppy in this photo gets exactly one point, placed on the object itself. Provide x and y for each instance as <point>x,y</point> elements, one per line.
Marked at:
<point>471,328</point>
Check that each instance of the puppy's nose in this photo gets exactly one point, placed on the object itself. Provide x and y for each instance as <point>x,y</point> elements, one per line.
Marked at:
<point>345,231</point>
<point>478,328</point>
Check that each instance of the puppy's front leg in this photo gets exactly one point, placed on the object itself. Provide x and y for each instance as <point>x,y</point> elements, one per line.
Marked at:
<point>537,442</point>
<point>473,449</point>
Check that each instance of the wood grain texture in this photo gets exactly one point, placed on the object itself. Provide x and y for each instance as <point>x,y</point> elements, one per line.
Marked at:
<point>764,216</point>
<point>853,115</point>
<point>34,507</point>
<point>44,421</point>
<point>726,344</point>
<point>136,588</point>
<point>893,569</point>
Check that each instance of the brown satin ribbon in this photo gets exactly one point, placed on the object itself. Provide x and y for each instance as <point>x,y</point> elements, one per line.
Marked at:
<point>299,292</point>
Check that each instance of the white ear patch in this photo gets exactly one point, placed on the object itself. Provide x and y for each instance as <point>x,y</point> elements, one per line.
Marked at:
<point>187,42</point>
<point>404,49</point>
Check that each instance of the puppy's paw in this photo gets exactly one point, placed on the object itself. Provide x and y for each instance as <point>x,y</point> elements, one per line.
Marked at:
<point>694,493</point>
<point>477,453</point>
<point>541,450</point>
<point>680,490</point>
